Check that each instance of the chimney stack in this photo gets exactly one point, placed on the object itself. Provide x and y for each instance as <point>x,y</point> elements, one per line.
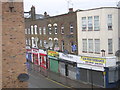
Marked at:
<point>33,17</point>
<point>70,10</point>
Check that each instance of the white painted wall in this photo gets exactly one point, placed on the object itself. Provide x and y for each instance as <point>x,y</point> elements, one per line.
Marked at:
<point>103,34</point>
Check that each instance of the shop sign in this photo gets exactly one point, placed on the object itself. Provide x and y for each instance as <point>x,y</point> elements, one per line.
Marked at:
<point>34,50</point>
<point>93,61</point>
<point>68,57</point>
<point>53,53</point>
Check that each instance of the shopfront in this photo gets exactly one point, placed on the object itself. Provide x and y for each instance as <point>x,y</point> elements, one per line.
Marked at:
<point>67,65</point>
<point>91,70</point>
<point>43,62</point>
<point>35,54</point>
<point>53,61</point>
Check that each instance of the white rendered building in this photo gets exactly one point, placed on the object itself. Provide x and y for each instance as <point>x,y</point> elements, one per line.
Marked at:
<point>98,29</point>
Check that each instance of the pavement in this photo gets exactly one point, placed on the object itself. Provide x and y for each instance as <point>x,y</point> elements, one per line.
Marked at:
<point>58,77</point>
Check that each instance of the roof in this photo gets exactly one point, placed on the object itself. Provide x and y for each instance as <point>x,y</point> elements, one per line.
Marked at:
<point>38,16</point>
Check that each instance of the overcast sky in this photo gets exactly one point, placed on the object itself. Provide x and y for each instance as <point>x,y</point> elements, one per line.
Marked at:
<point>56,7</point>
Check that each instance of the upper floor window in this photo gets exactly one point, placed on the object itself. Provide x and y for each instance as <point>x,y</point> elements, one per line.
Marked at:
<point>40,43</point>
<point>44,30</point>
<point>71,28</point>
<point>96,23</point>
<point>109,23</point>
<point>55,28</point>
<point>49,29</point>
<point>29,41</point>
<point>32,30</point>
<point>90,45</point>
<point>97,46</point>
<point>110,46</point>
<point>84,42</point>
<point>56,47</point>
<point>35,28</point>
<point>62,29</point>
<point>84,23</point>
<point>73,46</point>
<point>28,30</point>
<point>90,25</point>
<point>40,30</point>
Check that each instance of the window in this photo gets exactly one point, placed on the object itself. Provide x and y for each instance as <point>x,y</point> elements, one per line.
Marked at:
<point>62,29</point>
<point>110,46</point>
<point>90,26</point>
<point>25,31</point>
<point>40,43</point>
<point>26,41</point>
<point>33,42</point>
<point>113,75</point>
<point>62,44</point>
<point>84,41</point>
<point>36,42</point>
<point>32,30</point>
<point>97,46</point>
<point>84,25</point>
<point>71,28</point>
<point>44,30</point>
<point>96,23</point>
<point>90,45</point>
<point>28,30</point>
<point>55,28</point>
<point>35,29</point>
<point>45,43</point>
<point>40,30</point>
<point>49,29</point>
<point>73,47</point>
<point>109,22</point>
<point>56,47</point>
<point>29,41</point>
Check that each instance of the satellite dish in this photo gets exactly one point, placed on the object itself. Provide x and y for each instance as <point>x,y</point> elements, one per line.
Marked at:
<point>117,53</point>
<point>23,77</point>
<point>50,44</point>
<point>46,46</point>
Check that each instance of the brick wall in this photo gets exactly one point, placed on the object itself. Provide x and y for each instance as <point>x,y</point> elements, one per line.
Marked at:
<point>13,45</point>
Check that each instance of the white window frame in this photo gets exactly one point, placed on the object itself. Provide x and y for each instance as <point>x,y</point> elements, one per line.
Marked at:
<point>97,46</point>
<point>32,29</point>
<point>109,22</point>
<point>84,24</point>
<point>44,30</point>
<point>62,29</point>
<point>55,28</point>
<point>96,23</point>
<point>71,28</point>
<point>110,46</point>
<point>84,44</point>
<point>90,23</point>
<point>90,45</point>
<point>40,30</point>
<point>35,28</point>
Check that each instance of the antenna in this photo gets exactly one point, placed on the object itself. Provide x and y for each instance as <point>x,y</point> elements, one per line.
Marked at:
<point>69,4</point>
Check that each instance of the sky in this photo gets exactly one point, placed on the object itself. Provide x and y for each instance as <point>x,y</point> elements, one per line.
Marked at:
<point>57,7</point>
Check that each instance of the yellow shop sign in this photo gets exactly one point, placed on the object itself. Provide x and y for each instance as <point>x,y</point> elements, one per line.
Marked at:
<point>53,53</point>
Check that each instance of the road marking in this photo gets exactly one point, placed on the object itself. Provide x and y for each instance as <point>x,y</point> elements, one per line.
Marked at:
<point>58,83</point>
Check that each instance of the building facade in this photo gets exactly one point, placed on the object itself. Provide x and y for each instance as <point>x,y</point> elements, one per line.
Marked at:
<point>98,32</point>
<point>13,44</point>
<point>61,30</point>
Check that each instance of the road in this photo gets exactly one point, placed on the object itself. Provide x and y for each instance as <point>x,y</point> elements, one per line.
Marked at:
<point>37,80</point>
